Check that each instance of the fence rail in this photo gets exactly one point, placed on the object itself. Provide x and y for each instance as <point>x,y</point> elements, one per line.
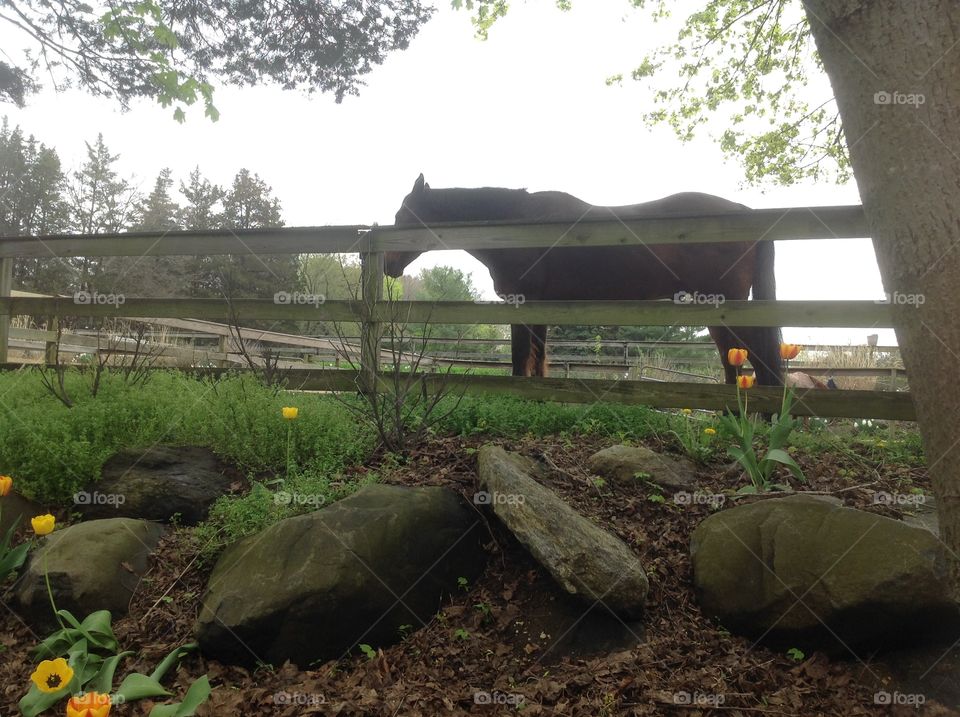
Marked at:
<point>372,313</point>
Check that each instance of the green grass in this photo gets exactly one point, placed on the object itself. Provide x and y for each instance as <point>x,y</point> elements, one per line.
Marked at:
<point>53,451</point>
<point>509,416</point>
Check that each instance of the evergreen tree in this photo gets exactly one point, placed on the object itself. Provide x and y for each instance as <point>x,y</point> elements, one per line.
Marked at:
<point>31,203</point>
<point>100,202</point>
<point>153,276</point>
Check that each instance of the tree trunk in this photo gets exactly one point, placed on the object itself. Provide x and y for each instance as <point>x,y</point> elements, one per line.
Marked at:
<point>895,70</point>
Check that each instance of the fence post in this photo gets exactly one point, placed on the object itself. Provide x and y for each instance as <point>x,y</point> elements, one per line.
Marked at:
<point>6,289</point>
<point>371,286</point>
<point>50,347</point>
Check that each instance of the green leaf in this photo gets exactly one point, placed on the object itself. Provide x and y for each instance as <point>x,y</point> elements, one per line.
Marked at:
<point>784,458</point>
<point>198,693</point>
<point>171,659</point>
<point>136,686</point>
<point>103,680</point>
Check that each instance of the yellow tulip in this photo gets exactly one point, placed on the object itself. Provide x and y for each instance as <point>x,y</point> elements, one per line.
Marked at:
<point>746,381</point>
<point>789,351</point>
<point>736,357</point>
<point>89,704</point>
<point>710,431</point>
<point>290,412</point>
<point>6,484</point>
<point>52,675</point>
<point>43,524</point>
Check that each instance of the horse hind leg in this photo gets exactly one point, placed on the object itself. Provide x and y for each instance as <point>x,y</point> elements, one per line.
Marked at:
<point>520,353</point>
<point>537,362</point>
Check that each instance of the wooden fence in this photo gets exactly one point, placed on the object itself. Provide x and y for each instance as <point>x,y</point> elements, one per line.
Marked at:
<point>372,311</point>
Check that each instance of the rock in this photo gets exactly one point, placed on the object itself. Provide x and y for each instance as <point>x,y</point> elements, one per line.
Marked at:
<point>921,512</point>
<point>312,587</point>
<point>92,566</point>
<point>809,572</point>
<point>583,558</point>
<point>15,508</point>
<point>156,485</point>
<point>621,464</point>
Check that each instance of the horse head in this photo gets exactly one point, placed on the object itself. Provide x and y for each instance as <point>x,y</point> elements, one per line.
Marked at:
<point>412,213</point>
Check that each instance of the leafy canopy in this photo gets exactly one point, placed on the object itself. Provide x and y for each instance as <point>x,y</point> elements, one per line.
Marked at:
<point>171,51</point>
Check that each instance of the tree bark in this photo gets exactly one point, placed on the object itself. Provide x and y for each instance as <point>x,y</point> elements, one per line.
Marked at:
<point>895,70</point>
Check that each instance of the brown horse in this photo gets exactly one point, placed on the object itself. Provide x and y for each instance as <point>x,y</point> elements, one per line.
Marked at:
<point>727,270</point>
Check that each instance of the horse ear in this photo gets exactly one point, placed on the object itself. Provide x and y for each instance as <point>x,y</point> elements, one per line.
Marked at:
<point>419,185</point>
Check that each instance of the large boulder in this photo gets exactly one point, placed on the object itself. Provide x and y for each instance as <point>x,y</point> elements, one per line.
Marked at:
<point>314,586</point>
<point>583,558</point>
<point>808,571</point>
<point>157,484</point>
<point>92,566</point>
<point>620,465</point>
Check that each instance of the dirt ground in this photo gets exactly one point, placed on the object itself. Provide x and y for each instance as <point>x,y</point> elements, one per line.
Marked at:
<point>513,644</point>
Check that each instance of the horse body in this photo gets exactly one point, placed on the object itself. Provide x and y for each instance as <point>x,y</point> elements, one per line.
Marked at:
<point>605,273</point>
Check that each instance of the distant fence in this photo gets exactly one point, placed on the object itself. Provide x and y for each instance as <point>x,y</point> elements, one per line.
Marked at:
<point>372,311</point>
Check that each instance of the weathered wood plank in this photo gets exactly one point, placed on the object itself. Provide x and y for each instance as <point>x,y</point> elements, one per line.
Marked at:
<point>285,240</point>
<point>830,222</point>
<point>626,313</point>
<point>787,223</point>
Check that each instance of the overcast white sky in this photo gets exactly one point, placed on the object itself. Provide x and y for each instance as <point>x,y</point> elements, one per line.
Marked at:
<point>528,108</point>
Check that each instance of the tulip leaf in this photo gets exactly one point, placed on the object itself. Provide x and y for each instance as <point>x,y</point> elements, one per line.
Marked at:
<point>172,658</point>
<point>198,693</point>
<point>103,681</point>
<point>136,686</point>
<point>37,701</point>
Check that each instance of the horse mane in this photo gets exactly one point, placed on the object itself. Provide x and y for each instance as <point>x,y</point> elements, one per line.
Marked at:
<point>486,203</point>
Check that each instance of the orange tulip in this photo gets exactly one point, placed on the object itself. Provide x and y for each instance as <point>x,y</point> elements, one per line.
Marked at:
<point>789,351</point>
<point>736,357</point>
<point>746,381</point>
<point>6,484</point>
<point>89,704</point>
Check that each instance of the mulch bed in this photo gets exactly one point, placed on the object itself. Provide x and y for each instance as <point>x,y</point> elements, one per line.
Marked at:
<point>480,647</point>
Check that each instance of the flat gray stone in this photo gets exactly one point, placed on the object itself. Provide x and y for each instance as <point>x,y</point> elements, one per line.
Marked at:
<point>621,464</point>
<point>584,559</point>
